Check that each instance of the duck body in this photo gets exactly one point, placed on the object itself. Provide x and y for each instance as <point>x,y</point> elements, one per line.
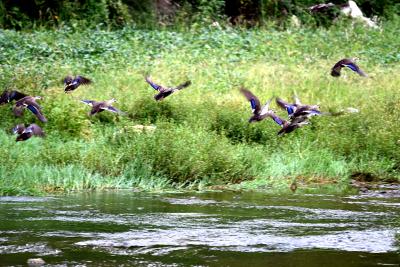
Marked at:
<point>24,133</point>
<point>100,106</point>
<point>349,63</point>
<point>30,103</point>
<point>71,83</point>
<point>259,112</point>
<point>289,127</point>
<point>163,92</point>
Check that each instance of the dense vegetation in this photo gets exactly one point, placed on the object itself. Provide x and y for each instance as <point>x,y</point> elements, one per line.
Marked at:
<point>27,14</point>
<point>202,136</point>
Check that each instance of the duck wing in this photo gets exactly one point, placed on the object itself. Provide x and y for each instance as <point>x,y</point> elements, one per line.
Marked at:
<point>16,95</point>
<point>82,80</point>
<point>113,109</point>
<point>36,111</point>
<point>265,109</point>
<point>8,96</point>
<point>183,85</point>
<point>254,101</point>
<point>35,129</point>
<point>277,119</point>
<point>154,85</point>
<point>281,103</point>
<point>354,67</point>
<point>89,102</point>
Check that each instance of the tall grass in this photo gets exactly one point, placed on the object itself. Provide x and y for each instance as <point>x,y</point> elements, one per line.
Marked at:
<point>202,136</point>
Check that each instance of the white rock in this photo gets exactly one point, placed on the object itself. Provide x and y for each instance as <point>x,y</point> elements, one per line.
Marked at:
<point>353,11</point>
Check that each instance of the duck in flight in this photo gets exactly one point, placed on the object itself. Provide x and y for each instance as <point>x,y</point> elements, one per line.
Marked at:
<point>30,103</point>
<point>297,109</point>
<point>24,133</point>
<point>100,106</point>
<point>259,112</point>
<point>163,92</point>
<point>349,63</point>
<point>71,83</point>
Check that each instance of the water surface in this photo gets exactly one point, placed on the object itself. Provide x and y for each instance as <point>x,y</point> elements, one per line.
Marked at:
<point>124,228</point>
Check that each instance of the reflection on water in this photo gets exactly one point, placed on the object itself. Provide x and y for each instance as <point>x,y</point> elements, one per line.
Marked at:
<point>200,229</point>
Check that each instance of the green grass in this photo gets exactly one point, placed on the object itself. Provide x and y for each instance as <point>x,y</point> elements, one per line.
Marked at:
<point>202,136</point>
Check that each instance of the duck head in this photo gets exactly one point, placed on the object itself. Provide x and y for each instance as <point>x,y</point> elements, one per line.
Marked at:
<point>18,129</point>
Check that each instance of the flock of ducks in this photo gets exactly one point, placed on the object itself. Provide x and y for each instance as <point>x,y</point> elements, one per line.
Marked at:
<point>298,113</point>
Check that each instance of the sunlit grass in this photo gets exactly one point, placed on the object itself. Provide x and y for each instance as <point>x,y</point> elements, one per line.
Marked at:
<point>202,136</point>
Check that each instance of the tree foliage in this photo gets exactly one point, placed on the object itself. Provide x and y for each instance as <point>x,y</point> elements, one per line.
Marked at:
<point>23,14</point>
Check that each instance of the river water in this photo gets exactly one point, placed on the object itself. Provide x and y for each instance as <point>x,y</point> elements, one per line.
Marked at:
<point>122,228</point>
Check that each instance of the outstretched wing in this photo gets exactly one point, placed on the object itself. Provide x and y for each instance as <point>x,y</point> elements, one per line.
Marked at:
<point>115,110</point>
<point>276,119</point>
<point>265,109</point>
<point>154,85</point>
<point>15,95</point>
<point>37,113</point>
<point>290,108</point>
<point>8,96</point>
<point>254,102</point>
<point>353,66</point>
<point>35,129</point>
<point>89,102</point>
<point>183,85</point>
<point>82,80</point>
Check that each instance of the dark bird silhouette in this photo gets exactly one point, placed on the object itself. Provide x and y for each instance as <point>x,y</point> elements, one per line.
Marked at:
<point>290,126</point>
<point>320,7</point>
<point>24,133</point>
<point>259,112</point>
<point>98,107</point>
<point>287,126</point>
<point>70,83</point>
<point>163,92</point>
<point>30,103</point>
<point>349,63</point>
<point>8,96</point>
<point>293,186</point>
<point>297,109</point>
<point>289,107</point>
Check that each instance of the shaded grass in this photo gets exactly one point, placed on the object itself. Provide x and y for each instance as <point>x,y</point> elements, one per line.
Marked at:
<point>202,136</point>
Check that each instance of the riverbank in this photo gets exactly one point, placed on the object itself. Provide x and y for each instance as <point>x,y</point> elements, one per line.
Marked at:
<point>202,137</point>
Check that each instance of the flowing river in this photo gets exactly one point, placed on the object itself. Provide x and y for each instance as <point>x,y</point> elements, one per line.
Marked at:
<point>125,228</point>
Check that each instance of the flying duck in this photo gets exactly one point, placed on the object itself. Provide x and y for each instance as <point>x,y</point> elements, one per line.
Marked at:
<point>98,107</point>
<point>290,126</point>
<point>8,96</point>
<point>24,133</point>
<point>163,92</point>
<point>70,83</point>
<point>259,113</point>
<point>297,109</point>
<point>30,103</point>
<point>349,63</point>
<point>289,107</point>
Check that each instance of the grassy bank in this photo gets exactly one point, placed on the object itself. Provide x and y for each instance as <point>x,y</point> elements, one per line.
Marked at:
<point>202,136</point>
